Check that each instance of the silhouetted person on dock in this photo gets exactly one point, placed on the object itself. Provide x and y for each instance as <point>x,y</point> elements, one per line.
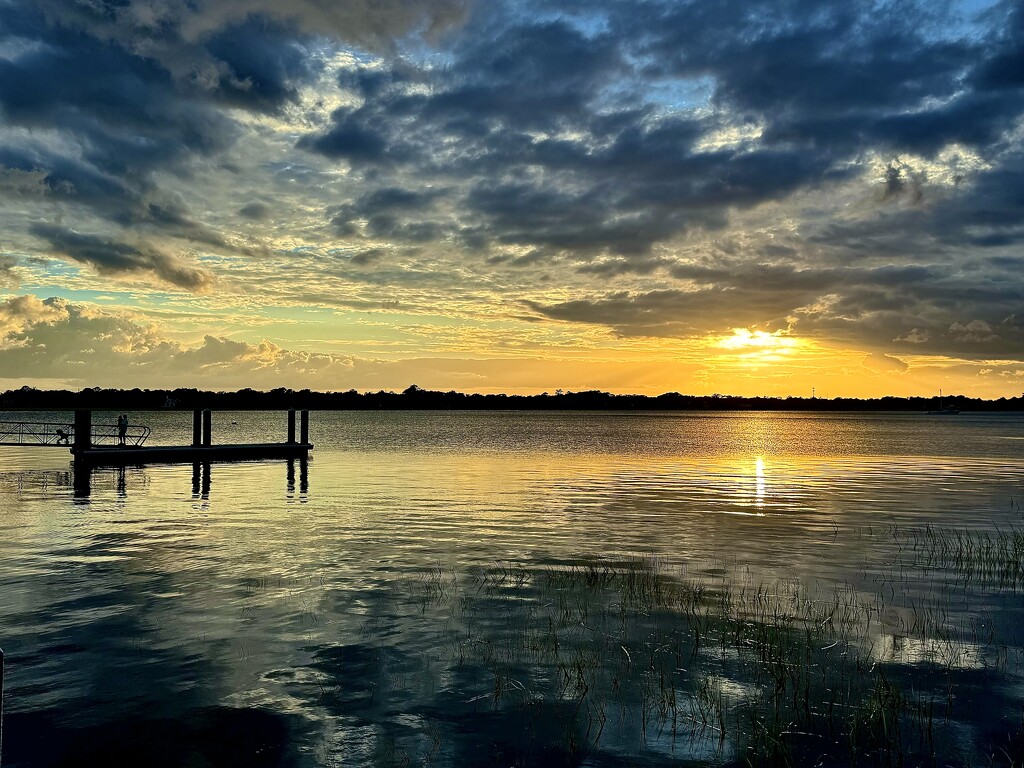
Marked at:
<point>62,437</point>
<point>122,428</point>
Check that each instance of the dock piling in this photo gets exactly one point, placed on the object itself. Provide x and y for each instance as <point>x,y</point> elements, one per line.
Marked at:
<point>83,429</point>
<point>82,479</point>
<point>291,425</point>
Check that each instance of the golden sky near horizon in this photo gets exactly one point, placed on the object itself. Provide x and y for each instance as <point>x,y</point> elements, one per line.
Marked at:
<point>741,197</point>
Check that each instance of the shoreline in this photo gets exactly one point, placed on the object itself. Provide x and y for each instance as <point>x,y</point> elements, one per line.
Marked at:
<point>416,399</point>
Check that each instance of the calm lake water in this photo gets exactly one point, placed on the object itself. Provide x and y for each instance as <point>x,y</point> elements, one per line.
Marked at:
<point>359,609</point>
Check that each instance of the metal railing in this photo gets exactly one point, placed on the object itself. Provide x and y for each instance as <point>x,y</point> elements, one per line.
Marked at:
<point>55,434</point>
<point>107,434</point>
<point>35,433</point>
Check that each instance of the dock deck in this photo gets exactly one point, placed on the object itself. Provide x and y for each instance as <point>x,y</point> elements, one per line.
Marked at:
<point>107,455</point>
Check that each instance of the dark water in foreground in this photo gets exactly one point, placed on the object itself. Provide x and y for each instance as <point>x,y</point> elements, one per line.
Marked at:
<point>519,588</point>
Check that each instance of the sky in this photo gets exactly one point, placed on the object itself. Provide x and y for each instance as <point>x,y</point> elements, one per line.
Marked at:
<point>742,197</point>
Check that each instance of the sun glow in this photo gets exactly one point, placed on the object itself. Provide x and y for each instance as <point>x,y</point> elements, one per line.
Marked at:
<point>756,347</point>
<point>743,338</point>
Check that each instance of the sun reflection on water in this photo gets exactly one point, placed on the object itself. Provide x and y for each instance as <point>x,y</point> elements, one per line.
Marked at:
<point>759,481</point>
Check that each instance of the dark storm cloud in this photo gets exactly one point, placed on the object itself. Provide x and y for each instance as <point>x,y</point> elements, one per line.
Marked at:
<point>262,64</point>
<point>966,246</point>
<point>534,76</point>
<point>391,213</point>
<point>106,112</point>
<point>352,140</point>
<point>372,24</point>
<point>1003,68</point>
<point>623,182</point>
<point>256,211</point>
<point>563,138</point>
<point>118,117</point>
<point>979,219</point>
<point>502,81</point>
<point>112,257</point>
<point>125,110</point>
<point>562,154</point>
<point>837,75</point>
<point>991,214</point>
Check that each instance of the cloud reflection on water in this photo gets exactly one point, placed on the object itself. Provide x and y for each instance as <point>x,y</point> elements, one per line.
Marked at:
<point>338,606</point>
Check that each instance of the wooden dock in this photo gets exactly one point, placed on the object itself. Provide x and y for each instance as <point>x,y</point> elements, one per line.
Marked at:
<point>106,455</point>
<point>202,449</point>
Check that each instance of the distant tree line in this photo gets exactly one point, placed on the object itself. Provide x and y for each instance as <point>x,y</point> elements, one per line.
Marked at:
<point>415,398</point>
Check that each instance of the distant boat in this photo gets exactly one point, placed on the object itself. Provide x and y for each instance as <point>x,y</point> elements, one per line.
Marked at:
<point>943,410</point>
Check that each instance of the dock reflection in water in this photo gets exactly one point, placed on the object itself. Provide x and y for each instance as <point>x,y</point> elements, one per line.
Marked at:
<point>82,476</point>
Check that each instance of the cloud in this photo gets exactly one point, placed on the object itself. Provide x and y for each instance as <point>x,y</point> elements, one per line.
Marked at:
<point>881,363</point>
<point>375,24</point>
<point>58,343</point>
<point>15,181</point>
<point>20,312</point>
<point>259,65</point>
<point>256,210</point>
<point>852,173</point>
<point>672,313</point>
<point>58,340</point>
<point>517,133</point>
<point>89,125</point>
<point>976,330</point>
<point>836,76</point>
<point>8,277</point>
<point>351,140</point>
<point>533,134</point>
<point>914,336</point>
<point>114,257</point>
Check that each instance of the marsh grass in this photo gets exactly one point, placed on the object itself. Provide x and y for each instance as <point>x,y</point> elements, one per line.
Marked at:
<point>628,659</point>
<point>990,559</point>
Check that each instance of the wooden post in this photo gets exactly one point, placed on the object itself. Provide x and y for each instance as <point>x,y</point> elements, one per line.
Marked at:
<point>83,429</point>
<point>197,427</point>
<point>207,427</point>
<point>291,425</point>
<point>304,427</point>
